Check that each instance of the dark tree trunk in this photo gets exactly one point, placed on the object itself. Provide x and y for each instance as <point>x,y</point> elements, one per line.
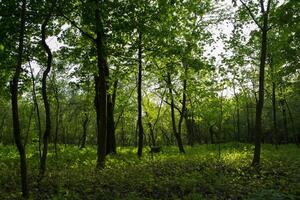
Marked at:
<point>274,103</point>
<point>260,103</point>
<point>101,91</point>
<point>29,126</point>
<point>177,136</point>
<point>238,119</point>
<point>45,98</point>
<point>140,123</point>
<point>293,123</point>
<point>2,126</point>
<point>285,126</point>
<point>183,109</point>
<point>84,127</point>
<point>111,139</point>
<point>248,122</point>
<point>221,118</point>
<point>14,105</point>
<point>190,126</point>
<point>151,130</point>
<point>237,113</point>
<point>57,120</point>
<point>123,132</point>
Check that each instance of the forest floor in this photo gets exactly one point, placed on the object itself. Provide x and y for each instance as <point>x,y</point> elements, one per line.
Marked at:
<point>201,173</point>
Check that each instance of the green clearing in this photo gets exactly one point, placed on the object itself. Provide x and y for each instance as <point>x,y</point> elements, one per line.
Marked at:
<point>199,174</point>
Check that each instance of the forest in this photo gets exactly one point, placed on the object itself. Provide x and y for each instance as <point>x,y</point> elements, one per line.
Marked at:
<point>149,99</point>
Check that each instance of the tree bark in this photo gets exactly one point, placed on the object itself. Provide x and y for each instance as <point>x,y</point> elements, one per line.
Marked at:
<point>183,109</point>
<point>101,91</point>
<point>274,101</point>
<point>14,104</point>
<point>140,123</point>
<point>84,127</point>
<point>285,126</point>
<point>260,103</point>
<point>177,136</point>
<point>2,125</point>
<point>111,139</point>
<point>57,118</point>
<point>45,98</point>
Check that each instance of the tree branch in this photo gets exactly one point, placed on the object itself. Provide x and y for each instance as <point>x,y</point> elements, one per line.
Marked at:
<point>80,29</point>
<point>251,14</point>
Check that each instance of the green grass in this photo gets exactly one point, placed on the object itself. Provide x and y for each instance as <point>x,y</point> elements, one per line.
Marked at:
<point>198,174</point>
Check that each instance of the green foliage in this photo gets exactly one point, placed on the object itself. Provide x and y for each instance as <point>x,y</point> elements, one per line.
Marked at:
<point>200,174</point>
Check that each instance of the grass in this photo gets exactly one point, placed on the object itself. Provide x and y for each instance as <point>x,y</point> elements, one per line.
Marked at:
<point>198,174</point>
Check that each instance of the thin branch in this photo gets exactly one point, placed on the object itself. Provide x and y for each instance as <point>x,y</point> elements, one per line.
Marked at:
<point>251,14</point>
<point>80,29</point>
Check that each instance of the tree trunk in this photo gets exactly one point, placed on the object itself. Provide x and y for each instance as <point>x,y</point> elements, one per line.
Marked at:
<point>111,140</point>
<point>274,102</point>
<point>140,123</point>
<point>248,122</point>
<point>285,126</point>
<point>45,98</point>
<point>101,91</point>
<point>237,113</point>
<point>29,126</point>
<point>293,122</point>
<point>2,126</point>
<point>177,136</point>
<point>190,126</point>
<point>151,130</point>
<point>36,105</point>
<point>260,103</point>
<point>84,127</point>
<point>14,105</point>
<point>183,109</point>
<point>57,120</point>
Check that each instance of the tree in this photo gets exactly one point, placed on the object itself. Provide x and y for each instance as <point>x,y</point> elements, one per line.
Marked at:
<point>14,104</point>
<point>264,28</point>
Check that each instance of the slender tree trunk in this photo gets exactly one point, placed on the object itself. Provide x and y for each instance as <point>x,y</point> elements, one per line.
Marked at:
<point>151,130</point>
<point>177,136</point>
<point>238,119</point>
<point>237,113</point>
<point>274,102</point>
<point>29,126</point>
<point>57,119</point>
<point>123,131</point>
<point>285,126</point>
<point>14,105</point>
<point>248,121</point>
<point>221,116</point>
<point>2,125</point>
<point>45,98</point>
<point>37,110</point>
<point>260,103</point>
<point>101,91</point>
<point>140,123</point>
<point>111,140</point>
<point>84,127</point>
<point>292,121</point>
<point>183,109</point>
